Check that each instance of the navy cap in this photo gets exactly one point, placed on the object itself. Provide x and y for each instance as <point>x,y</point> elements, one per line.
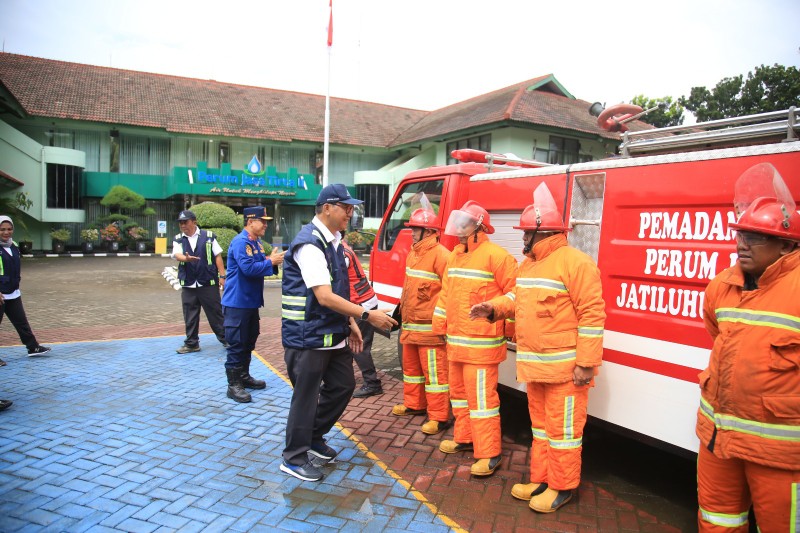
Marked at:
<point>336,193</point>
<point>187,215</point>
<point>256,212</point>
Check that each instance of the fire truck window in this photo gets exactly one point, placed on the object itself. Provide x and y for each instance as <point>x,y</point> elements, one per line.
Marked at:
<point>405,203</point>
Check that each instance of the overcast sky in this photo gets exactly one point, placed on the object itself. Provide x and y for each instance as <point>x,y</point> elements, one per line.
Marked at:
<point>423,54</point>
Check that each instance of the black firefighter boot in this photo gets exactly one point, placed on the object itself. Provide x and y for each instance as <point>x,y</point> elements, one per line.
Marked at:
<point>235,389</point>
<point>249,381</point>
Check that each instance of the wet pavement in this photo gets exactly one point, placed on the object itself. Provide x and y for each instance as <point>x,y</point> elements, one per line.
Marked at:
<point>115,431</point>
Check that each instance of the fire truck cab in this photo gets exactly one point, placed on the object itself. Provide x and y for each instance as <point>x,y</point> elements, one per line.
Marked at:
<point>656,221</point>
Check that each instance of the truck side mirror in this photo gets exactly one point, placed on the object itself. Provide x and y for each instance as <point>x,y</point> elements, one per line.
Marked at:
<point>357,220</point>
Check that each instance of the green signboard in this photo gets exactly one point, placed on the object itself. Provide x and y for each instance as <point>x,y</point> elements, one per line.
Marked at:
<point>289,187</point>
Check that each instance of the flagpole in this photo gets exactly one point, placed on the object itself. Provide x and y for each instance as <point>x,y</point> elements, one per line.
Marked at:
<point>327,124</point>
<point>325,150</point>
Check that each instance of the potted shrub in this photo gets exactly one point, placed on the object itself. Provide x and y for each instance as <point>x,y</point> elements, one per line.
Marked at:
<point>89,237</point>
<point>26,245</point>
<point>110,236</point>
<point>138,235</point>
<point>60,237</point>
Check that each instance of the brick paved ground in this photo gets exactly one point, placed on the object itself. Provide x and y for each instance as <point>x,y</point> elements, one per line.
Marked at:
<point>125,435</point>
<point>129,435</point>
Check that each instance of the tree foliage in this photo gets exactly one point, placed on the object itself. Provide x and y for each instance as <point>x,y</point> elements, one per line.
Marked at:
<point>669,113</point>
<point>120,198</point>
<point>766,89</point>
<point>15,208</point>
<point>222,221</point>
<point>214,215</point>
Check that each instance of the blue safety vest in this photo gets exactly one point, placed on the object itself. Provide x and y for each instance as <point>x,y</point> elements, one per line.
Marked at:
<point>305,324</point>
<point>204,271</point>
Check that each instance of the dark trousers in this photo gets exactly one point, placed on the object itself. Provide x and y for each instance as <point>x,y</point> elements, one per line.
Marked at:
<point>364,357</point>
<point>16,314</point>
<point>242,328</point>
<point>208,298</point>
<point>314,409</point>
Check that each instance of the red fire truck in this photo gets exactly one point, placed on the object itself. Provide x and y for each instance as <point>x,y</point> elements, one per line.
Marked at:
<point>656,220</point>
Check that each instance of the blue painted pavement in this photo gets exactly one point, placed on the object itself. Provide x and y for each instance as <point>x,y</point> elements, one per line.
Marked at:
<point>130,436</point>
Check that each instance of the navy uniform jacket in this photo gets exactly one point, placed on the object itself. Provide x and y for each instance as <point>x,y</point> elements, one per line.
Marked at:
<point>247,266</point>
<point>10,270</point>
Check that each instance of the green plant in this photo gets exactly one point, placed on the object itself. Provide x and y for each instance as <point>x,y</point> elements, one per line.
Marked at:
<point>113,218</point>
<point>90,235</point>
<point>110,233</point>
<point>224,237</point>
<point>22,201</point>
<point>60,235</point>
<point>120,198</point>
<point>16,208</point>
<point>214,215</point>
<point>138,233</point>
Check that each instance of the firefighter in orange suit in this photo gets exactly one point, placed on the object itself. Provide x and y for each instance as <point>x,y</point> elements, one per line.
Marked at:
<point>749,417</point>
<point>425,383</point>
<point>560,314</point>
<point>477,270</point>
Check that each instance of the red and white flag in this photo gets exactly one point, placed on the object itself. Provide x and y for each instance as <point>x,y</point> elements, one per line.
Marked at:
<point>330,24</point>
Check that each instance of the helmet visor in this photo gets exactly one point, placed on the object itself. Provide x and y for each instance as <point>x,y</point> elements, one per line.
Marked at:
<point>460,224</point>
<point>424,203</point>
<point>761,181</point>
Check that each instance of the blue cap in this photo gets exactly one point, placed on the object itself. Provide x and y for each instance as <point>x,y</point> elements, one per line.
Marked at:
<point>256,212</point>
<point>186,215</point>
<point>336,193</point>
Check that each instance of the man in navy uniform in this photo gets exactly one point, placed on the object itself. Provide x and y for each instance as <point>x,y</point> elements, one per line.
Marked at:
<point>317,321</point>
<point>243,295</point>
<point>201,273</point>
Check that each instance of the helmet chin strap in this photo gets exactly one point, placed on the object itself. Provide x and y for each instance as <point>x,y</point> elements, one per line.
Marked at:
<point>529,245</point>
<point>475,239</point>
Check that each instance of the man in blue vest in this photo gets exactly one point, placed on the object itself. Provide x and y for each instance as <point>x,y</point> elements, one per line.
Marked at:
<point>317,321</point>
<point>201,273</point>
<point>243,296</point>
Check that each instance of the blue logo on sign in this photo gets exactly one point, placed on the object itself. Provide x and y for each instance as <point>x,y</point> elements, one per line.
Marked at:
<point>254,167</point>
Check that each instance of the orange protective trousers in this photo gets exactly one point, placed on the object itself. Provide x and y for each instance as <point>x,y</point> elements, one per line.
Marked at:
<point>727,487</point>
<point>558,415</point>
<point>476,406</point>
<point>425,384</point>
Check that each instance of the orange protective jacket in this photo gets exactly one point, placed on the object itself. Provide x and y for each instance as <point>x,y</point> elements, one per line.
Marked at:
<point>483,272</point>
<point>560,312</point>
<point>360,288</point>
<point>750,392</point>
<point>425,266</point>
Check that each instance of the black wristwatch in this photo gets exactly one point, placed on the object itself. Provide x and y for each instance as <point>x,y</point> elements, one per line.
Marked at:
<point>365,315</point>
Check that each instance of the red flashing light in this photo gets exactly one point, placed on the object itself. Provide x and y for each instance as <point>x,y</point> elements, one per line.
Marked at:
<point>467,155</point>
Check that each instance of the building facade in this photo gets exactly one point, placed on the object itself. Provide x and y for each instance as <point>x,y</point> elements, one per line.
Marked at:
<point>69,132</point>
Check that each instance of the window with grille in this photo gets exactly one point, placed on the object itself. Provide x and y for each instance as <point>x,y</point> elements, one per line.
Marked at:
<point>376,198</point>
<point>64,186</point>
